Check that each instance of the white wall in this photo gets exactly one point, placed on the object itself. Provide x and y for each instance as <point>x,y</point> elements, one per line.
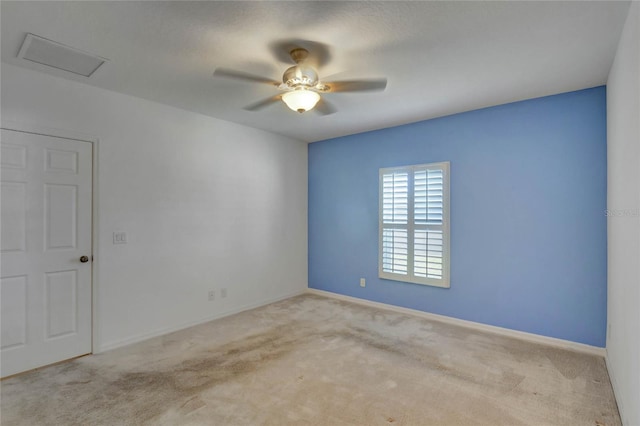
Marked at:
<point>623,193</point>
<point>206,204</point>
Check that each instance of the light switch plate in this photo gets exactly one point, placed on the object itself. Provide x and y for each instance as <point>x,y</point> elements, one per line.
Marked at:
<point>119,237</point>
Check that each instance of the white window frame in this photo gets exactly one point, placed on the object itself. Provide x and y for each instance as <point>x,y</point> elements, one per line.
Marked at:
<point>410,226</point>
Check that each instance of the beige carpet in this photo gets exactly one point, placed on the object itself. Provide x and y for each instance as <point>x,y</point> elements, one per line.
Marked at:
<point>310,360</point>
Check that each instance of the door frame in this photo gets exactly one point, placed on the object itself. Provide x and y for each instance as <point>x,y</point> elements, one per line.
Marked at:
<point>83,137</point>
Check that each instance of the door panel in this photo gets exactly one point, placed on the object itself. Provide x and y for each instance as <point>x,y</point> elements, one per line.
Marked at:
<point>46,228</point>
<point>14,217</point>
<point>60,290</point>
<point>14,311</point>
<point>60,216</point>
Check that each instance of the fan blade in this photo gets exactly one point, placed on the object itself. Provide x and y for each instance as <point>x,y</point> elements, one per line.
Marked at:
<point>371,85</point>
<point>324,108</point>
<point>263,103</point>
<point>241,75</point>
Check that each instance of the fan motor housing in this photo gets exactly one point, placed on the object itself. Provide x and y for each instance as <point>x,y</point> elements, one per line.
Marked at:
<point>300,75</point>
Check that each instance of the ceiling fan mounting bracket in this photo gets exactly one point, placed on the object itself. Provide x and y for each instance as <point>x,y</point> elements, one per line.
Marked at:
<point>299,55</point>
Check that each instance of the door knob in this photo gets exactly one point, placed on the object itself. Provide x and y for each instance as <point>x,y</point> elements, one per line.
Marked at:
<point>84,259</point>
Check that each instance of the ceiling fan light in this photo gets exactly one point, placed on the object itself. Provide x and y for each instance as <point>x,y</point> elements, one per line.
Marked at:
<point>301,100</point>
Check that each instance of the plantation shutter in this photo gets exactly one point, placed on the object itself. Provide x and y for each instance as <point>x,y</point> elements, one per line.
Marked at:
<point>428,208</point>
<point>395,213</point>
<point>414,224</point>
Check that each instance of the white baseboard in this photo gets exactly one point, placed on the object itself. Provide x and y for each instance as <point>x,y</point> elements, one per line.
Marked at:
<point>145,336</point>
<point>530,337</point>
<point>614,386</point>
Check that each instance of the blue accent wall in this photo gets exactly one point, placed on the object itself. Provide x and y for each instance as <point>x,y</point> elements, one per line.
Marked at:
<point>528,230</point>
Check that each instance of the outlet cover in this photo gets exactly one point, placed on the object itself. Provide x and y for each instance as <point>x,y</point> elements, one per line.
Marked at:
<point>212,295</point>
<point>363,282</point>
<point>119,237</point>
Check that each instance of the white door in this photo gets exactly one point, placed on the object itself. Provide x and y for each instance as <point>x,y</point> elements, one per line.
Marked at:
<point>45,286</point>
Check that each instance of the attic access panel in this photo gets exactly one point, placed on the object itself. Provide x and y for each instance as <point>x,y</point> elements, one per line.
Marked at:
<point>57,55</point>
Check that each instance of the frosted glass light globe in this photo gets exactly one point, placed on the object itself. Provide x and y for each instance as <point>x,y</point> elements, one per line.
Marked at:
<point>301,100</point>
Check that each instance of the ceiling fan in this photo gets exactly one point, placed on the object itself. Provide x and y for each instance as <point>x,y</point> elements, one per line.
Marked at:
<point>301,87</point>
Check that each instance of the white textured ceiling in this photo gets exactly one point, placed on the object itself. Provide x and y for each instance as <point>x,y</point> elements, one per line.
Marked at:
<point>439,57</point>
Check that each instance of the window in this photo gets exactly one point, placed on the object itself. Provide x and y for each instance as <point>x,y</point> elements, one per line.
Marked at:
<point>414,224</point>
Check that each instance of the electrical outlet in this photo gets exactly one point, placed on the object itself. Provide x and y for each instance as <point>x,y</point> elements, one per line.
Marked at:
<point>223,293</point>
<point>363,282</point>
<point>212,295</point>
